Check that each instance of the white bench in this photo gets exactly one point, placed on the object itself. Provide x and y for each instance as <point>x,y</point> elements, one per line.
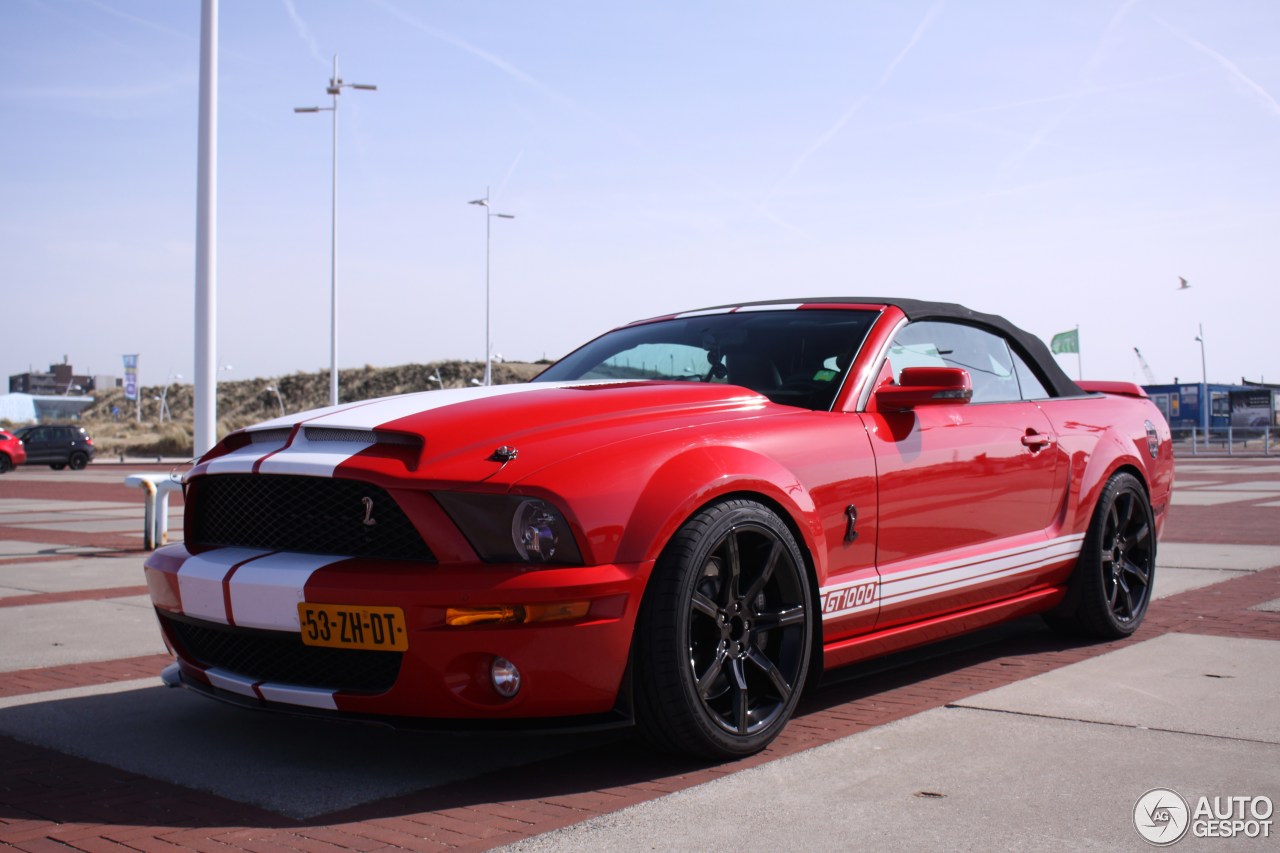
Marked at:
<point>155,521</point>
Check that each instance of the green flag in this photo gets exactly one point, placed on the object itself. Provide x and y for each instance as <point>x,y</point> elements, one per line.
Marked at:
<point>1066,341</point>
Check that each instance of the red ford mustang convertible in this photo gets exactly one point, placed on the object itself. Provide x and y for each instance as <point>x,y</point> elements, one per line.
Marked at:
<point>677,525</point>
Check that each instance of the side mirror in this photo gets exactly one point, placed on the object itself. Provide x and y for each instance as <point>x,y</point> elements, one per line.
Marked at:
<point>925,386</point>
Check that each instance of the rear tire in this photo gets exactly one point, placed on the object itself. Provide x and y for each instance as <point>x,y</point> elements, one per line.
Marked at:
<point>724,635</point>
<point>6,464</point>
<point>1112,584</point>
<point>77,461</point>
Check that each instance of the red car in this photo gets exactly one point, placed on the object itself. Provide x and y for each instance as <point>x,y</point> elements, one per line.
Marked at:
<point>678,525</point>
<point>12,453</point>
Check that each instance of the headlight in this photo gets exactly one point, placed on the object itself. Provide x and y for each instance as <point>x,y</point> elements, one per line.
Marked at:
<point>512,528</point>
<point>536,530</point>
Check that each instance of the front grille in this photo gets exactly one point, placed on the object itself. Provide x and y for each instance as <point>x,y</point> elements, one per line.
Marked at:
<point>312,515</point>
<point>280,657</point>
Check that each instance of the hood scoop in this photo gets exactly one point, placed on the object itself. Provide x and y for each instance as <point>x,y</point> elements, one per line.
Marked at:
<point>360,436</point>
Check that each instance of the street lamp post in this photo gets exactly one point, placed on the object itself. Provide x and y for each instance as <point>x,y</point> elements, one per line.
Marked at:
<point>1204,369</point>
<point>1205,397</point>
<point>335,88</point>
<point>488,219</point>
<point>279,399</point>
<point>164,397</point>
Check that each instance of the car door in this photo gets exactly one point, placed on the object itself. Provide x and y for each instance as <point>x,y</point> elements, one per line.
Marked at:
<point>967,490</point>
<point>39,444</point>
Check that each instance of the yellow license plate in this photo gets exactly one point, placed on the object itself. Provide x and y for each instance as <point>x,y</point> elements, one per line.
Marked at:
<point>349,626</point>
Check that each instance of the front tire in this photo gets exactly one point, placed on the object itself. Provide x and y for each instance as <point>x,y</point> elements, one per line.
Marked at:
<point>6,464</point>
<point>725,634</point>
<point>1114,578</point>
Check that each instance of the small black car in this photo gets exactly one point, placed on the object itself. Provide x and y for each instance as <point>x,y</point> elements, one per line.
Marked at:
<point>57,445</point>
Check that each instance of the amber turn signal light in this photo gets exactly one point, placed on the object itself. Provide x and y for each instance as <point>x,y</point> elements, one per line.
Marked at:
<point>520,613</point>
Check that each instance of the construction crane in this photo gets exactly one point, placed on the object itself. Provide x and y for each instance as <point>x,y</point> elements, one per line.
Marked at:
<point>1146,368</point>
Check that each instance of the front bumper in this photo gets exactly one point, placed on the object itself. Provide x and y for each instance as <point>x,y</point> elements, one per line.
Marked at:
<point>242,605</point>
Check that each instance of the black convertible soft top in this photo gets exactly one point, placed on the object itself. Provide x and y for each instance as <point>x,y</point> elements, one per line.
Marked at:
<point>1030,347</point>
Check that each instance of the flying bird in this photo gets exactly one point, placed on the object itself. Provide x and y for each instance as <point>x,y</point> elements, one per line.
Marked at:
<point>1182,284</point>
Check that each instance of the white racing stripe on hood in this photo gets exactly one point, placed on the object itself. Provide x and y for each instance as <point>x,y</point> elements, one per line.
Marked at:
<point>320,459</point>
<point>241,461</point>
<point>374,413</point>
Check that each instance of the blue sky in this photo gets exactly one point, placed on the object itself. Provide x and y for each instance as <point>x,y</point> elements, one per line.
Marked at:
<point>1059,163</point>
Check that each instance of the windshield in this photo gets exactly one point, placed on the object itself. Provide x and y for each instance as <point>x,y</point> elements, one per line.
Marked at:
<point>793,357</point>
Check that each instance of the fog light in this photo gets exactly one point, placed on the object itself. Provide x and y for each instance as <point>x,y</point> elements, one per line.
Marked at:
<point>505,677</point>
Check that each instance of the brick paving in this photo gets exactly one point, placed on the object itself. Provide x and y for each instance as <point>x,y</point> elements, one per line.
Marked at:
<point>72,595</point>
<point>54,801</point>
<point>25,681</point>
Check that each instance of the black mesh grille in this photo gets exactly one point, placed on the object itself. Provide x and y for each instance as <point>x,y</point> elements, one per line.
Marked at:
<point>281,657</point>
<point>312,515</point>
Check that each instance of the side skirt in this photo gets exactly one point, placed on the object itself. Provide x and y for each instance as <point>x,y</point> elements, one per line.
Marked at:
<point>904,637</point>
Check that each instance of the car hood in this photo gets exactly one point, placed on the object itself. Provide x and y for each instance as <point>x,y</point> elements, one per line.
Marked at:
<point>496,434</point>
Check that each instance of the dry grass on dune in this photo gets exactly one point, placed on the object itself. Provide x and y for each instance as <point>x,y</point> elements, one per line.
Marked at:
<point>247,401</point>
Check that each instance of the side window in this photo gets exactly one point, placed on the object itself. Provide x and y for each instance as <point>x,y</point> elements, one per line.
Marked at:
<point>1032,387</point>
<point>986,356</point>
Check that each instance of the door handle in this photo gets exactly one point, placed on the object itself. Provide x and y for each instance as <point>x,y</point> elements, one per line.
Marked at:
<point>1036,440</point>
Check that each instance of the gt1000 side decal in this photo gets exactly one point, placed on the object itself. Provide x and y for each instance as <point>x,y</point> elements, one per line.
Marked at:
<point>840,601</point>
<point>900,584</point>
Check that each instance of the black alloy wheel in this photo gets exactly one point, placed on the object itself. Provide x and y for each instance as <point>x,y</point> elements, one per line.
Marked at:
<point>6,464</point>
<point>1127,556</point>
<point>77,461</point>
<point>1114,577</point>
<point>725,633</point>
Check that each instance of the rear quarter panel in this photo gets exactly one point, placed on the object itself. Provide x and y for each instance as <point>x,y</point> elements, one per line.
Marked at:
<point>1099,435</point>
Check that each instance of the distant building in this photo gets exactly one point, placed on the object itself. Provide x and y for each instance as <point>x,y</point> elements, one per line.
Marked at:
<point>61,379</point>
<point>1215,406</point>
<point>31,408</point>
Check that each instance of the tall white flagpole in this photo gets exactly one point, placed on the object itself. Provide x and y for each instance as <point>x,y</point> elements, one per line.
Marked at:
<point>206,374</point>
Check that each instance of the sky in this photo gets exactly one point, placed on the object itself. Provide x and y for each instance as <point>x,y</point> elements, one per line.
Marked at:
<point>1060,163</point>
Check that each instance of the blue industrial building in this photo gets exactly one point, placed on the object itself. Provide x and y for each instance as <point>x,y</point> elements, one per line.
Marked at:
<point>1212,406</point>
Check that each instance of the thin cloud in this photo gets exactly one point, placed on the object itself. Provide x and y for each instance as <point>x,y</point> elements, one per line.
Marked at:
<point>511,171</point>
<point>111,10</point>
<point>1100,47</point>
<point>1104,41</point>
<point>769,215</point>
<point>304,32</point>
<point>493,59</point>
<point>848,115</point>
<point>1235,71</point>
<point>97,93</point>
